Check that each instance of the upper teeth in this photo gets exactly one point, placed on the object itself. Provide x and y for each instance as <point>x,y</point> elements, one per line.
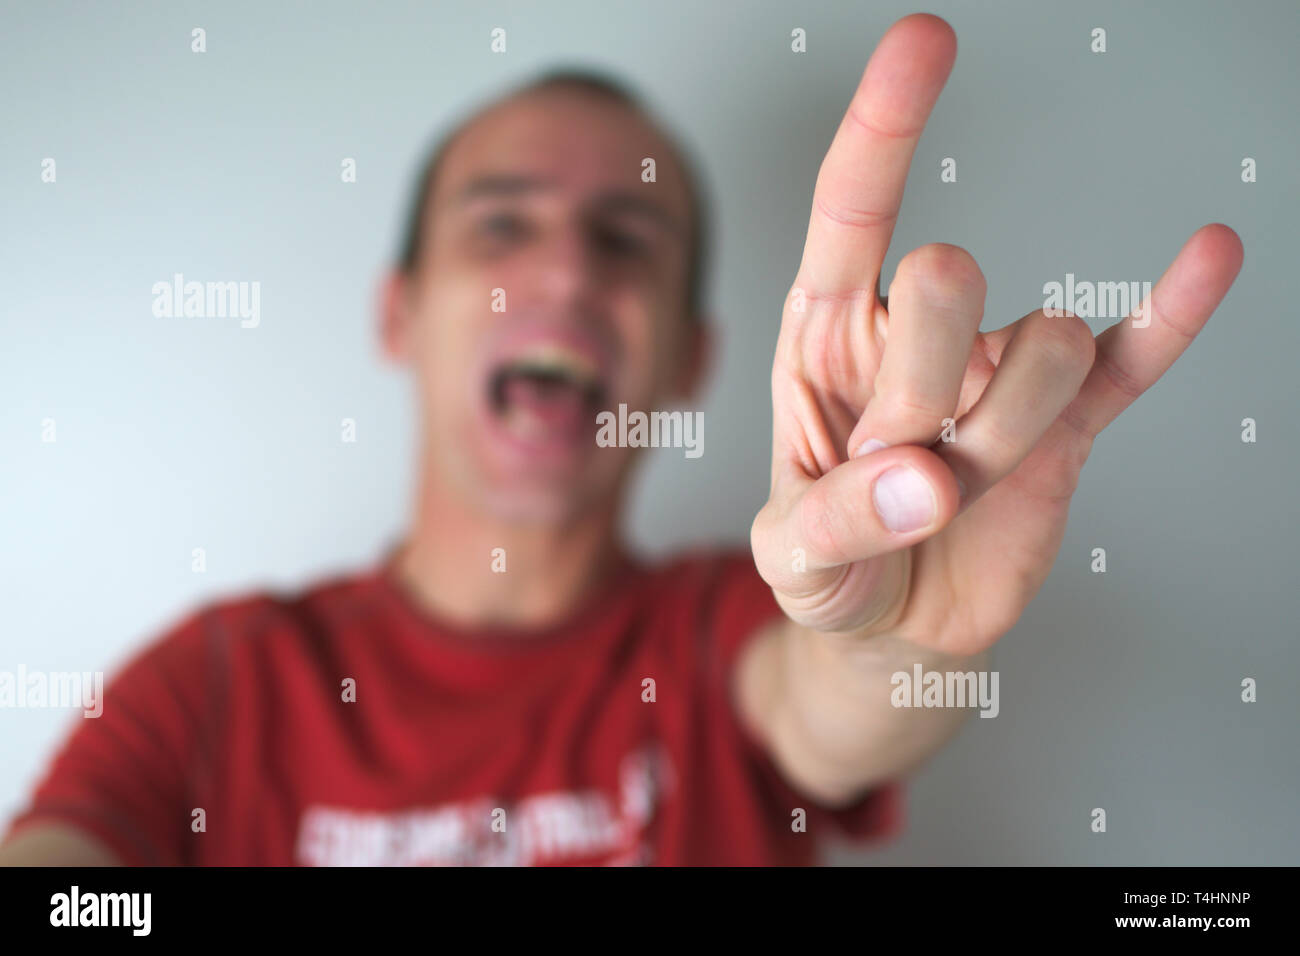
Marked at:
<point>556,359</point>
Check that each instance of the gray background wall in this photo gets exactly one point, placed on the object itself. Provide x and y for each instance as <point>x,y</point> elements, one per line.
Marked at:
<point>1118,690</point>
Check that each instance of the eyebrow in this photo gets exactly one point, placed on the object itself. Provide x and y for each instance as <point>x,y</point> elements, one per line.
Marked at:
<point>616,201</point>
<point>500,185</point>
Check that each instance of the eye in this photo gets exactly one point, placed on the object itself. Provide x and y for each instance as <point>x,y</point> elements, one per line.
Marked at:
<point>621,241</point>
<point>503,225</point>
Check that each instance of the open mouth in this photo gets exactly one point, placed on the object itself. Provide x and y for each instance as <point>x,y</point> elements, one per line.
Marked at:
<point>547,392</point>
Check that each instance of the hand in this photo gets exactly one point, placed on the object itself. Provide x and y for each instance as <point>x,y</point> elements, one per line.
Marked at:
<point>940,543</point>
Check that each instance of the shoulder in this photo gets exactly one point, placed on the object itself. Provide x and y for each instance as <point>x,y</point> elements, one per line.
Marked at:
<point>254,619</point>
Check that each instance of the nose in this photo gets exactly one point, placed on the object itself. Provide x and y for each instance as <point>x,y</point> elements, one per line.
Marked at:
<point>565,272</point>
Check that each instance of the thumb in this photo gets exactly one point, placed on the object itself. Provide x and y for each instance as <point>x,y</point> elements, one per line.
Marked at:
<point>864,508</point>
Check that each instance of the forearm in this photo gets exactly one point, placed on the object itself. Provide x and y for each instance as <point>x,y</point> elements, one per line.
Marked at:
<point>827,708</point>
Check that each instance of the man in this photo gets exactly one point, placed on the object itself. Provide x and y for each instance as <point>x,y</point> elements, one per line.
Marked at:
<point>510,686</point>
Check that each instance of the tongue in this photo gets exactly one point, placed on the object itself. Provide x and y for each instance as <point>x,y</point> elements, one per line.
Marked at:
<point>551,404</point>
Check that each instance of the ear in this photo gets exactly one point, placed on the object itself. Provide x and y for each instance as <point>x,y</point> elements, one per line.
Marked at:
<point>394,314</point>
<point>699,349</point>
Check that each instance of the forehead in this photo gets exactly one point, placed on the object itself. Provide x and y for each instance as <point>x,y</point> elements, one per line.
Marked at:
<point>583,143</point>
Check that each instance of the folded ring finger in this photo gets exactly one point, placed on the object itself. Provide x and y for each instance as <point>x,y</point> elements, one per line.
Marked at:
<point>1040,372</point>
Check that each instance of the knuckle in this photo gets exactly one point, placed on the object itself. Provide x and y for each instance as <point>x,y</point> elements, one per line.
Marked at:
<point>821,527</point>
<point>762,537</point>
<point>1120,378</point>
<point>998,622</point>
<point>853,218</point>
<point>1066,341</point>
<point>758,528</point>
<point>943,270</point>
<point>913,409</point>
<point>999,447</point>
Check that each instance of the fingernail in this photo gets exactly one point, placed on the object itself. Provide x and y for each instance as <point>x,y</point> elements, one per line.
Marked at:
<point>868,446</point>
<point>903,499</point>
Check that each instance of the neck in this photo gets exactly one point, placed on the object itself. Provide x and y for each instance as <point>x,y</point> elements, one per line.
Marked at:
<point>450,565</point>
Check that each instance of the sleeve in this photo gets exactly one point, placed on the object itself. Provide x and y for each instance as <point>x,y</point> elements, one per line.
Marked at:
<point>742,603</point>
<point>127,776</point>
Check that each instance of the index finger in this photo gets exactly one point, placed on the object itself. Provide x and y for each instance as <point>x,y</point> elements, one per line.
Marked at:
<point>860,184</point>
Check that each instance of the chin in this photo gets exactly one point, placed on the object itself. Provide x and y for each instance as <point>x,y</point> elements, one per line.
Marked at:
<point>538,503</point>
<point>547,496</point>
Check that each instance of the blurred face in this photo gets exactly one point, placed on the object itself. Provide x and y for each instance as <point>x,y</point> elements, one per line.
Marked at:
<point>551,286</point>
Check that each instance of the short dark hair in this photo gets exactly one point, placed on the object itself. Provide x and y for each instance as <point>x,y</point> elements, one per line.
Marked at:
<point>602,85</point>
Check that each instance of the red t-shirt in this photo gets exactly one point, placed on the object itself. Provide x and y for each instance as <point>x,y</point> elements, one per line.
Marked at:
<point>459,748</point>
